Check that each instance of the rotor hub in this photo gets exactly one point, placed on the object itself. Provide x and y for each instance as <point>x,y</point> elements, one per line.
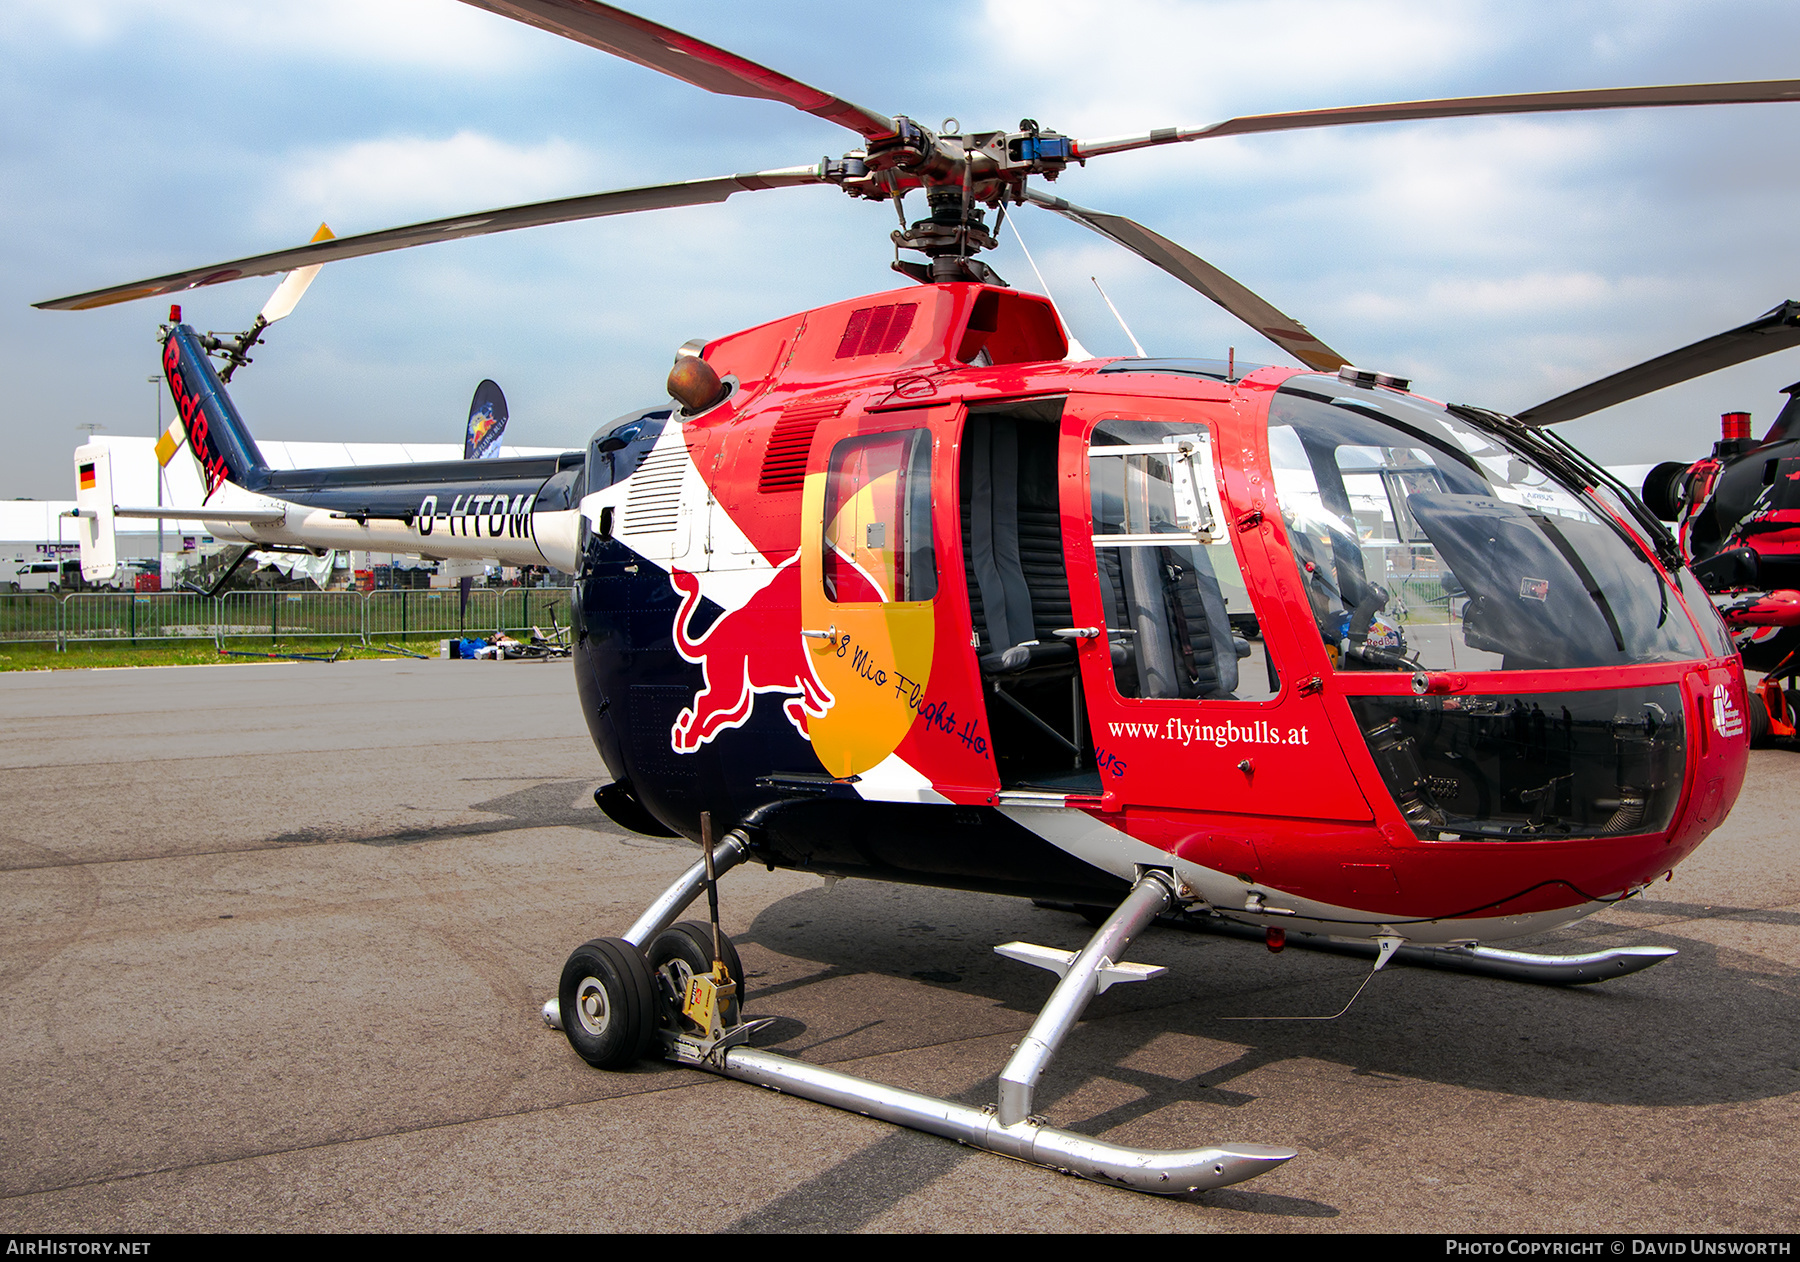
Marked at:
<point>959,174</point>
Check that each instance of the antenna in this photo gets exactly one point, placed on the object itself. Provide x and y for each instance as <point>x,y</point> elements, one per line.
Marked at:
<point>1076,349</point>
<point>1121,319</point>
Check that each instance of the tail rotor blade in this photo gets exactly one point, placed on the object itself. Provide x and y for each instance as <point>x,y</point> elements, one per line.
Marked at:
<point>287,294</point>
<point>1196,273</point>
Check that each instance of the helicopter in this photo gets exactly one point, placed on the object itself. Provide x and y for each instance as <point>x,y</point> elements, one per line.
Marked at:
<point>1737,510</point>
<point>895,588</point>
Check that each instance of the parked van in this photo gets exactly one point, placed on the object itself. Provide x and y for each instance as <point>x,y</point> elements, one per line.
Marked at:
<point>36,576</point>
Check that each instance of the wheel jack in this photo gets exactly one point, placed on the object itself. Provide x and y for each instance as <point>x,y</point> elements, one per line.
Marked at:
<point>1007,1127</point>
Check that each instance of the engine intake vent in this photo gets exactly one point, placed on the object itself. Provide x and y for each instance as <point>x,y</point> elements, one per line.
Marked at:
<point>876,330</point>
<point>784,464</point>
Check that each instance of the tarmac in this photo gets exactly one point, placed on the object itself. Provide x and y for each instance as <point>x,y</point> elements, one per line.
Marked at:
<point>273,940</point>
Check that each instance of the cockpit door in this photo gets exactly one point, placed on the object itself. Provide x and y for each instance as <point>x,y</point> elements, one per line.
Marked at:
<point>1188,656</point>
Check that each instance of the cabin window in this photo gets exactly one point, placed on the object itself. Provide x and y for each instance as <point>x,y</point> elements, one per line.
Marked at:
<point>878,520</point>
<point>1178,617</point>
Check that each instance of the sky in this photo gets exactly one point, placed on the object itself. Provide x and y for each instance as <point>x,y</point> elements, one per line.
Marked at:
<point>1498,262</point>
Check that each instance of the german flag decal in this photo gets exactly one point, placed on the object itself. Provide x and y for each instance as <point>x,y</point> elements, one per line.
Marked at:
<point>87,477</point>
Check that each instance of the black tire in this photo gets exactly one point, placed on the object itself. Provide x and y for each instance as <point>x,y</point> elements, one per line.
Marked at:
<point>677,954</point>
<point>608,1003</point>
<point>1759,722</point>
<point>1662,488</point>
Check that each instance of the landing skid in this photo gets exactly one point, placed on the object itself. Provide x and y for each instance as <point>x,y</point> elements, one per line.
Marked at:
<point>1518,966</point>
<point>1007,1127</point>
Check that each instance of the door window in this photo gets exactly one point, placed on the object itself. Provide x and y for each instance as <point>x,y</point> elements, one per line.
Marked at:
<point>1179,622</point>
<point>877,538</point>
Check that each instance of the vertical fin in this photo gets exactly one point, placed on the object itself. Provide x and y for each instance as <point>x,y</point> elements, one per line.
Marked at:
<point>216,434</point>
<point>94,512</point>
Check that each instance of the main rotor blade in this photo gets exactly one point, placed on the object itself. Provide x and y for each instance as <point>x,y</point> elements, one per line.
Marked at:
<point>691,60</point>
<point>592,206</point>
<point>1774,331</point>
<point>1192,270</point>
<point>1459,107</point>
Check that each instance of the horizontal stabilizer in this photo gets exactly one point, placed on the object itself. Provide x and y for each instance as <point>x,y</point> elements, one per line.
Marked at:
<point>254,516</point>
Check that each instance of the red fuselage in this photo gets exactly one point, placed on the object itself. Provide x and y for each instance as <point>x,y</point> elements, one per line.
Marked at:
<point>833,517</point>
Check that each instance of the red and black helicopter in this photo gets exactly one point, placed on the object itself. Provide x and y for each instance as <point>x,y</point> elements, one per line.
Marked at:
<point>896,589</point>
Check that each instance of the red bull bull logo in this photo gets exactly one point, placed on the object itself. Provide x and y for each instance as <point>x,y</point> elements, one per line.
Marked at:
<point>753,649</point>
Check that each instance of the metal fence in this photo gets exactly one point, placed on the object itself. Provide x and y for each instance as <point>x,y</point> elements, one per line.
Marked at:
<point>398,614</point>
<point>366,617</point>
<point>30,617</point>
<point>1422,595</point>
<point>527,608</point>
<point>293,615</point>
<point>130,616</point>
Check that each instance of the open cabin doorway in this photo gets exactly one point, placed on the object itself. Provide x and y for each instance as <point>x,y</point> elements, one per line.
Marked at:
<point>1017,575</point>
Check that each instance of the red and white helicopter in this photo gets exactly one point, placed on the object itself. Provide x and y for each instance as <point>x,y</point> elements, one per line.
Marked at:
<point>897,589</point>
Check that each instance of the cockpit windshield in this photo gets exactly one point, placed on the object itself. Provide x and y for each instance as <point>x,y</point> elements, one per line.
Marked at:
<point>1425,542</point>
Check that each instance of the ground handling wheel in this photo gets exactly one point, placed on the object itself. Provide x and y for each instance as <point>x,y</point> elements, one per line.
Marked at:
<point>608,1003</point>
<point>677,955</point>
<point>1760,737</point>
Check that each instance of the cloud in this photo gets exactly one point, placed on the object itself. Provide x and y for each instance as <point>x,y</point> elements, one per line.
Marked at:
<point>1538,295</point>
<point>1207,62</point>
<point>1496,260</point>
<point>378,183</point>
<point>429,33</point>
